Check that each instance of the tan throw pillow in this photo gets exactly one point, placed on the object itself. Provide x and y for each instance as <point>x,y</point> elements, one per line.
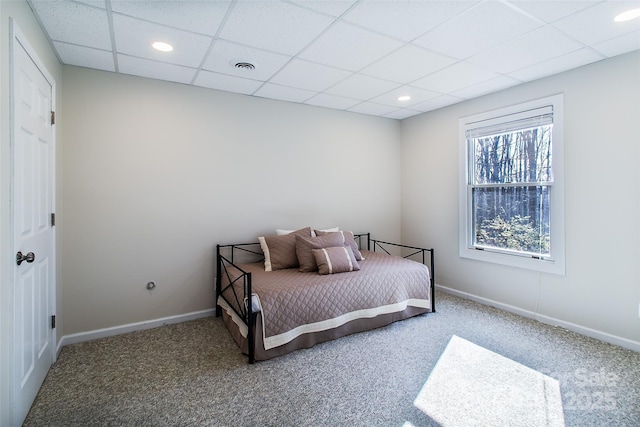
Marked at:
<point>280,251</point>
<point>305,244</point>
<point>326,230</point>
<point>335,260</point>
<point>349,240</point>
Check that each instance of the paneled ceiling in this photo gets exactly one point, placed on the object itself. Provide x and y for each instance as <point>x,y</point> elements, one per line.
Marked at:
<point>358,56</point>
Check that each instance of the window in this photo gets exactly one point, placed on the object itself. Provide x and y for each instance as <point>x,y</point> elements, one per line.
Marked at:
<point>511,188</point>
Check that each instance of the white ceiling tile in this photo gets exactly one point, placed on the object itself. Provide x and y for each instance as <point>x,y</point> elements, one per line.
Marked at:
<point>435,103</point>
<point>74,23</point>
<point>330,7</point>
<point>417,96</point>
<point>85,57</point>
<point>482,27</point>
<point>224,55</point>
<point>532,48</point>
<point>274,26</point>
<point>332,101</point>
<point>199,16</point>
<point>349,47</point>
<point>402,113</point>
<point>134,37</point>
<point>557,65</point>
<point>227,83</point>
<point>550,11</point>
<point>308,75</point>
<point>619,45</point>
<point>359,86</point>
<point>405,20</point>
<point>455,77</point>
<point>596,24</point>
<point>155,70</point>
<point>408,64</point>
<point>372,109</point>
<point>484,88</point>
<point>284,93</point>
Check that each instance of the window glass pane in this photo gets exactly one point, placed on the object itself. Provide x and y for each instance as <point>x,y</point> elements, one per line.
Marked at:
<point>512,218</point>
<point>514,157</point>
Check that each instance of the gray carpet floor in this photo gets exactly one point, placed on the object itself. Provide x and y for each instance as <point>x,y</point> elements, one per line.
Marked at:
<point>192,374</point>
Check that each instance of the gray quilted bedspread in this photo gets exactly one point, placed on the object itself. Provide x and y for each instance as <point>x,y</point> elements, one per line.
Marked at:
<point>293,303</point>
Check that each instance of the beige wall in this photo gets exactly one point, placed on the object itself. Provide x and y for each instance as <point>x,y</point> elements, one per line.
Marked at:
<point>601,290</point>
<point>21,13</point>
<point>156,174</point>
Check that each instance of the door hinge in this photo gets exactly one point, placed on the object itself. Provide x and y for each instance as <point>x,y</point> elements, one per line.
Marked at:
<point>53,219</point>
<point>53,117</point>
<point>53,321</point>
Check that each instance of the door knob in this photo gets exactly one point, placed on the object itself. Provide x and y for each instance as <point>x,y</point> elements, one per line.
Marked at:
<point>30,257</point>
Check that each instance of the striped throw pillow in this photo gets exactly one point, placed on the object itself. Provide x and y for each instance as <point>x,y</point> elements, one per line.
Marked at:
<point>336,259</point>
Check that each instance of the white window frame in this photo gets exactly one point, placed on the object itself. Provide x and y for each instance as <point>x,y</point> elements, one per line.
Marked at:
<point>555,263</point>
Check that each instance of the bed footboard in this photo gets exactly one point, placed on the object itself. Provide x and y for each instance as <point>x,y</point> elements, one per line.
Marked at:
<point>410,252</point>
<point>228,275</point>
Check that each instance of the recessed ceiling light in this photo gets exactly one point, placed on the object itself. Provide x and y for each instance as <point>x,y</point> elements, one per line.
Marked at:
<point>162,46</point>
<point>628,15</point>
<point>404,98</point>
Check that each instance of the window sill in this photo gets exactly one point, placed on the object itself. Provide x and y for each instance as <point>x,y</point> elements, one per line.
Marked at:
<point>529,263</point>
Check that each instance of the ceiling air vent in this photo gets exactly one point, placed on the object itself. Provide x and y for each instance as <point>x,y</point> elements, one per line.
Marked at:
<point>245,66</point>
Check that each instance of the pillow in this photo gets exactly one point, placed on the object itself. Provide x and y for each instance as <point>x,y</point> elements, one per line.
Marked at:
<point>281,232</point>
<point>304,246</point>
<point>280,251</point>
<point>325,230</point>
<point>339,259</point>
<point>349,241</point>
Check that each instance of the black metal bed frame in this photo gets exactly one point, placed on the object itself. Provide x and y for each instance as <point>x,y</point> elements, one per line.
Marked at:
<point>244,301</point>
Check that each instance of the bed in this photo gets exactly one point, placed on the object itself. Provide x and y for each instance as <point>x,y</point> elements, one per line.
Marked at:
<point>282,294</point>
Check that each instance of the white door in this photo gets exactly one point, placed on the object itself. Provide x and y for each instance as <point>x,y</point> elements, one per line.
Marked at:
<point>33,236</point>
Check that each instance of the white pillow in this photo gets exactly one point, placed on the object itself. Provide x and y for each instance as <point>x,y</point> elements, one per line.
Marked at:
<point>283,232</point>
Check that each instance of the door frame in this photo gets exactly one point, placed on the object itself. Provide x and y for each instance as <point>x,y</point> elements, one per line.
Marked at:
<point>17,36</point>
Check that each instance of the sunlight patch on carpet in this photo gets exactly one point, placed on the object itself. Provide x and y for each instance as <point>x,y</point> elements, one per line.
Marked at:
<point>472,386</point>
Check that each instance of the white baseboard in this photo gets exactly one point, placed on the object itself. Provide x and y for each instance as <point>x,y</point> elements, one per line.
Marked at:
<point>149,324</point>
<point>602,336</point>
<point>131,327</point>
